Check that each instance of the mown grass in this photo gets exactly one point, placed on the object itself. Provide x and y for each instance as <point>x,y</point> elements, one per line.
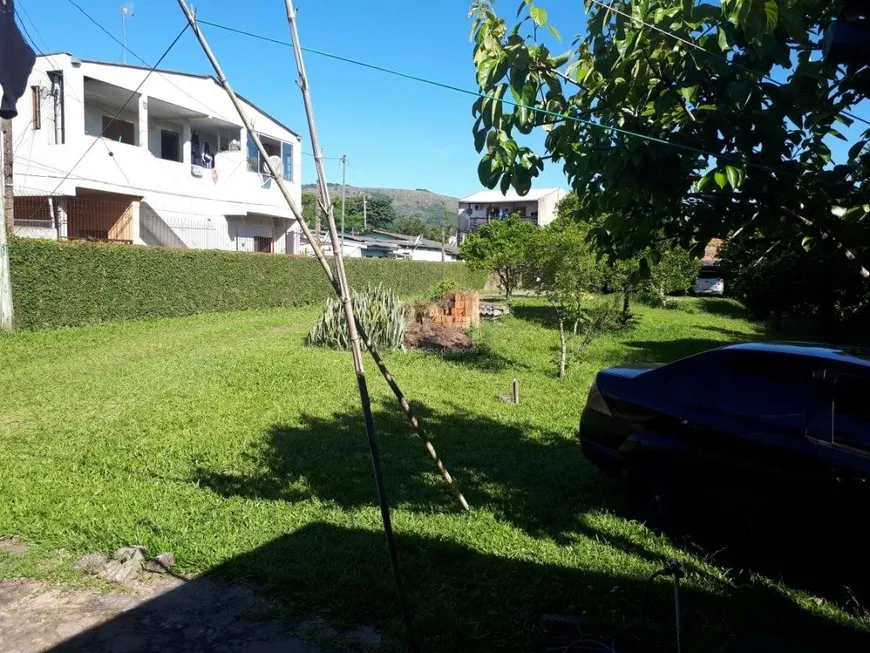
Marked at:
<point>225,440</point>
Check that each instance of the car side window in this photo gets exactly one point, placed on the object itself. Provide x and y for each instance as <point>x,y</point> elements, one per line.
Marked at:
<point>776,390</point>
<point>687,380</point>
<point>852,412</point>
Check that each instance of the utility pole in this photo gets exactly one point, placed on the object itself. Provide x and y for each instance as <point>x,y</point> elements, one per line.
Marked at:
<point>6,215</point>
<point>343,195</point>
<point>365,213</point>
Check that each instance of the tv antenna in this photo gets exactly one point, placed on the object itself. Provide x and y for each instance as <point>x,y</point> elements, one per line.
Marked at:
<point>126,14</point>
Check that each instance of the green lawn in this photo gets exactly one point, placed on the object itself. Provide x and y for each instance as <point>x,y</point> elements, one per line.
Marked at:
<point>225,440</point>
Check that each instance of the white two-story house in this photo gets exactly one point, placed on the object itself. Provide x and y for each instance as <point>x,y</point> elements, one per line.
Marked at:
<point>175,168</point>
<point>538,207</point>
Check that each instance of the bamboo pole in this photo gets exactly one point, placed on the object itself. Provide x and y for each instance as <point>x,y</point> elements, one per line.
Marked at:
<point>341,288</point>
<point>315,244</point>
<point>353,335</point>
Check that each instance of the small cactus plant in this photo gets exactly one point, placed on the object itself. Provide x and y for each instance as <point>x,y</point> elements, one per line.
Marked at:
<point>377,308</point>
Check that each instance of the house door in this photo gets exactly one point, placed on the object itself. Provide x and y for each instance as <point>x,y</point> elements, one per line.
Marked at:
<point>262,244</point>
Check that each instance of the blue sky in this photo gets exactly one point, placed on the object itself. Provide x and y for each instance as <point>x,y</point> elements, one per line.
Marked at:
<point>396,133</point>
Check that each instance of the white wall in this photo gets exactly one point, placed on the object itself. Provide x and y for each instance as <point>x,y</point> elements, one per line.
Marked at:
<point>481,210</point>
<point>173,196</point>
<point>547,207</point>
<point>421,254</point>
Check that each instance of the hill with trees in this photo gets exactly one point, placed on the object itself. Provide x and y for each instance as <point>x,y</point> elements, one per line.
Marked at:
<point>411,212</point>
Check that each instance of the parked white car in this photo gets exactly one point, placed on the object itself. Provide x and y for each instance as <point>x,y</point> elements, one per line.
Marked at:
<point>709,282</point>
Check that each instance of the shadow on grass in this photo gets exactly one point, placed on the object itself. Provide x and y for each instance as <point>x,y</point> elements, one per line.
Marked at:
<point>482,358</point>
<point>541,484</point>
<point>466,600</point>
<point>666,351</point>
<point>523,480</point>
<point>541,315</point>
<point>737,336</point>
<point>722,306</point>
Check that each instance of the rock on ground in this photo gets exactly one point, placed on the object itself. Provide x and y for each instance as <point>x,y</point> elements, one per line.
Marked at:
<point>160,564</point>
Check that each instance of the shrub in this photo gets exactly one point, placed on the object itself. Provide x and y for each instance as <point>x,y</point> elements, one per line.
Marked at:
<point>442,288</point>
<point>58,284</point>
<point>378,309</point>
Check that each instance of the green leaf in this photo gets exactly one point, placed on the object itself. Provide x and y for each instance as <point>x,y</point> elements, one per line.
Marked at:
<point>703,182</point>
<point>479,136</point>
<point>735,176</point>
<point>554,32</point>
<point>721,179</point>
<point>723,41</point>
<point>741,92</point>
<point>807,243</point>
<point>688,93</point>
<point>560,60</point>
<point>505,184</point>
<point>771,13</point>
<point>856,149</point>
<point>539,15</point>
<point>824,152</point>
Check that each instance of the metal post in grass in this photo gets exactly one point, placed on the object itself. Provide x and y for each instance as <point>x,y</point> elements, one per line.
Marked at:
<point>327,270</point>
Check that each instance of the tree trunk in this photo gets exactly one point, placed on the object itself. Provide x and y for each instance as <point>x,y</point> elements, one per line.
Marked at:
<point>626,303</point>
<point>563,348</point>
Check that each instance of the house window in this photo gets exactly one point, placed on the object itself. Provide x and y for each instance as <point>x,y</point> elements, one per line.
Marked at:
<point>262,244</point>
<point>492,212</point>
<point>274,148</point>
<point>56,79</point>
<point>520,211</point>
<point>36,104</point>
<point>119,130</point>
<point>253,155</point>
<point>287,160</point>
<point>169,145</point>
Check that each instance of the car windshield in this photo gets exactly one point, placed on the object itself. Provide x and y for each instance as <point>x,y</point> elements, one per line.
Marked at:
<point>709,274</point>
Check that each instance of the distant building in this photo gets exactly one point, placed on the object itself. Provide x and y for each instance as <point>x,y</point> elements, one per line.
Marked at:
<point>384,244</point>
<point>110,152</point>
<point>538,206</point>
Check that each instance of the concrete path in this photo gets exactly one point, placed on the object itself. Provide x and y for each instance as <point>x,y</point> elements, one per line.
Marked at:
<point>165,615</point>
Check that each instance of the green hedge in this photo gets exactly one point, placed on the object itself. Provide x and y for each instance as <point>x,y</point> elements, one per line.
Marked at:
<point>73,283</point>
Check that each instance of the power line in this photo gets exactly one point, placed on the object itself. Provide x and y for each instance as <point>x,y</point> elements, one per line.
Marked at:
<point>458,89</point>
<point>123,106</point>
<point>693,44</point>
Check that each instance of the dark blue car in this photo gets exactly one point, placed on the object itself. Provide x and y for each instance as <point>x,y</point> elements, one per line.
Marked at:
<point>757,421</point>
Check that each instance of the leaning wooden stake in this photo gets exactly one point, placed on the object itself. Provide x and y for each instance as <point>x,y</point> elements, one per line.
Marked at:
<point>315,245</point>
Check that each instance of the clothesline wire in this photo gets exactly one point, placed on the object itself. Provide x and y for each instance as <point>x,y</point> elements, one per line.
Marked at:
<point>561,116</point>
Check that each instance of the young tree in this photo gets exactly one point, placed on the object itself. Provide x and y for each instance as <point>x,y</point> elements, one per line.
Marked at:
<point>380,212</point>
<point>501,247</point>
<point>566,270</point>
<point>662,139</point>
